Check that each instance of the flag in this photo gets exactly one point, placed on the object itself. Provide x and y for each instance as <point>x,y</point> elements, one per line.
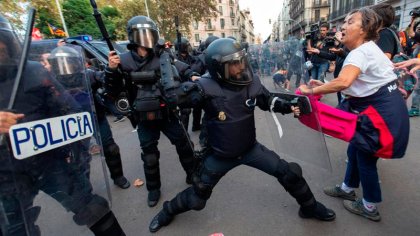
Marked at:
<point>56,31</point>
<point>36,34</point>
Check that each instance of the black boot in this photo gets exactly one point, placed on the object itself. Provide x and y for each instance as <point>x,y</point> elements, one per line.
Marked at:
<point>107,225</point>
<point>113,161</point>
<point>317,211</point>
<point>161,219</point>
<point>122,182</point>
<point>293,181</point>
<point>153,198</point>
<point>152,174</point>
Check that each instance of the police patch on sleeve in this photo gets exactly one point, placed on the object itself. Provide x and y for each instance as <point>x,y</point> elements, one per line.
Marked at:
<point>35,137</point>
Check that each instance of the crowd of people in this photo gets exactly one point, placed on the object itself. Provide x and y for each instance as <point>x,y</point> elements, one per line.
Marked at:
<point>224,81</point>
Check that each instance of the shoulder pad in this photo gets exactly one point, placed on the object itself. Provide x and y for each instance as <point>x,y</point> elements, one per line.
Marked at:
<point>210,87</point>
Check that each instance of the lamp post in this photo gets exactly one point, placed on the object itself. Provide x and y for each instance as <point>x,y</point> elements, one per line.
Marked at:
<point>62,18</point>
<point>147,8</point>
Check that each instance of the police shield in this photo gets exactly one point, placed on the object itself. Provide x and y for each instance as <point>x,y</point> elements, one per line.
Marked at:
<point>50,179</point>
<point>282,70</point>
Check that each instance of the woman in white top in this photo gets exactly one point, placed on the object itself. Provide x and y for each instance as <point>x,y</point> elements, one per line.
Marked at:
<point>368,82</point>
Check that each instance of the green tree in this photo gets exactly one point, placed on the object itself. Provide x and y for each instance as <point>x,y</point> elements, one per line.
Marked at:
<point>79,18</point>
<point>47,12</point>
<point>163,12</point>
<point>13,10</point>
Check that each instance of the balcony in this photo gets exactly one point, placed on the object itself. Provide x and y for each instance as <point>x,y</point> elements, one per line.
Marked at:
<point>319,3</point>
<point>232,15</point>
<point>231,2</point>
<point>210,27</point>
<point>342,12</point>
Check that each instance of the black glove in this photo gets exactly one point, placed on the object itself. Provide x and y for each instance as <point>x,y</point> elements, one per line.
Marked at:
<point>281,105</point>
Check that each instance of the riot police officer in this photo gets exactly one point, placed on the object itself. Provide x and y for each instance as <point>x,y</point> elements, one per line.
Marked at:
<point>184,54</point>
<point>141,64</point>
<point>230,94</point>
<point>67,68</point>
<point>55,172</point>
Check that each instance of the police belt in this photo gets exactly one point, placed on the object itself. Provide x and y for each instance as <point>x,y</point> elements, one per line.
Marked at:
<point>142,77</point>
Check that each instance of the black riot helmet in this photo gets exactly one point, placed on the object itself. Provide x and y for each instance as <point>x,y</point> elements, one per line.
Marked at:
<point>184,46</point>
<point>227,61</point>
<point>142,31</point>
<point>67,64</point>
<point>209,40</point>
<point>10,50</point>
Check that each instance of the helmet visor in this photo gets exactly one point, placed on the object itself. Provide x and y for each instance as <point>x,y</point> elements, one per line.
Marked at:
<point>236,68</point>
<point>64,63</point>
<point>144,35</point>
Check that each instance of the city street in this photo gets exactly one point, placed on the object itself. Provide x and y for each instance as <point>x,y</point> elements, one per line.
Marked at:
<point>249,202</point>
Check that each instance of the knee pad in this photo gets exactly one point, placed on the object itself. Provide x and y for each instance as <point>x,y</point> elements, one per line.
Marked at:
<point>292,175</point>
<point>92,212</point>
<point>196,202</point>
<point>150,159</point>
<point>112,150</point>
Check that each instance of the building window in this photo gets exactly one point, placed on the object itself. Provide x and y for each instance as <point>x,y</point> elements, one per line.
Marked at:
<point>232,21</point>
<point>220,1</point>
<point>195,25</point>
<point>197,37</point>
<point>221,10</point>
<point>223,35</point>
<point>209,24</point>
<point>317,15</point>
<point>209,34</point>
<point>222,23</point>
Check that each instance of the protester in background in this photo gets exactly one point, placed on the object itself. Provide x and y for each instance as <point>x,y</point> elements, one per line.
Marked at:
<point>415,69</point>
<point>368,82</point>
<point>387,41</point>
<point>336,54</point>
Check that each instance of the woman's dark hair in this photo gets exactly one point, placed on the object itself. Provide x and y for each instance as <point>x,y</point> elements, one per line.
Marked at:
<point>385,12</point>
<point>370,22</point>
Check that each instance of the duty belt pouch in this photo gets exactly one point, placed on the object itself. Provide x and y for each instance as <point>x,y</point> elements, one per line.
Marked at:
<point>147,103</point>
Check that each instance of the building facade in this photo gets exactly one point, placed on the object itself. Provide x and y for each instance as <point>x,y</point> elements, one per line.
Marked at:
<point>230,21</point>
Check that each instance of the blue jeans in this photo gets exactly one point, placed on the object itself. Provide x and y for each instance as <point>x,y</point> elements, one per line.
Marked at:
<point>319,70</point>
<point>361,168</point>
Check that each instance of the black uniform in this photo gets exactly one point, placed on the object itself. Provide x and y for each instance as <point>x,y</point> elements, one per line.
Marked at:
<point>59,58</point>
<point>62,173</point>
<point>185,55</point>
<point>147,103</point>
<point>229,105</point>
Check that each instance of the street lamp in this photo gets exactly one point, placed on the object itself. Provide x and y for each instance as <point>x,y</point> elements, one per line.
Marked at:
<point>147,8</point>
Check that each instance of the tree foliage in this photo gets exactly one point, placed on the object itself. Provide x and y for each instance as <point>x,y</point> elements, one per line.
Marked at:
<point>115,13</point>
<point>79,19</point>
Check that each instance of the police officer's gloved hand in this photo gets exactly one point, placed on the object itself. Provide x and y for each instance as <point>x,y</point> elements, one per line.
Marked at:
<point>280,105</point>
<point>171,98</point>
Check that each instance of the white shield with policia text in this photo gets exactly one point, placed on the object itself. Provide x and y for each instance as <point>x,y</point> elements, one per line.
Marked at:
<point>46,156</point>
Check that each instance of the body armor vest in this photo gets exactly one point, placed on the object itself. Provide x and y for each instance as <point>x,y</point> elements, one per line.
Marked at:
<point>148,101</point>
<point>230,114</point>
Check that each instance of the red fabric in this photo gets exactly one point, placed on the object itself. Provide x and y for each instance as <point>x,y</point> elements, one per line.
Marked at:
<point>386,139</point>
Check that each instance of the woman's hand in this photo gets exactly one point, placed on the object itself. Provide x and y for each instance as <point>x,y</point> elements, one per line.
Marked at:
<point>315,83</point>
<point>406,64</point>
<point>305,90</point>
